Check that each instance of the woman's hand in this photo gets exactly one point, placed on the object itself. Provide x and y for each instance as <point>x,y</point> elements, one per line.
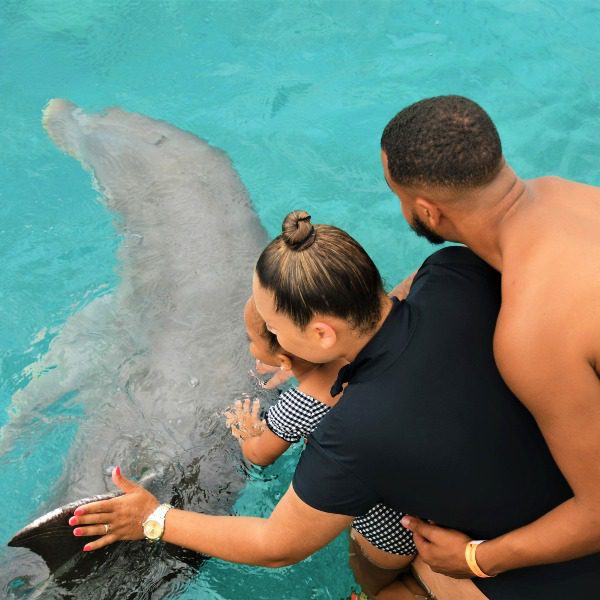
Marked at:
<point>116,519</point>
<point>442,549</point>
<point>243,419</point>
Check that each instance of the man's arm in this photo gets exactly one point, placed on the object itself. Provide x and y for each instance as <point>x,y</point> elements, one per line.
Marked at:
<point>548,365</point>
<point>292,532</point>
<point>546,360</point>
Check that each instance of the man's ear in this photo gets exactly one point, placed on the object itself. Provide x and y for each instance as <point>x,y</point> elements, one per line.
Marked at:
<point>326,334</point>
<point>428,212</point>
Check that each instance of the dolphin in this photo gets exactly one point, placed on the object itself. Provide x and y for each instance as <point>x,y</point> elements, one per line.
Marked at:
<point>143,373</point>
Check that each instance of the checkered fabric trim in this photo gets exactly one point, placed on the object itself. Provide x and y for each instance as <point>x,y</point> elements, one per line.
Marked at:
<point>295,415</point>
<point>381,526</point>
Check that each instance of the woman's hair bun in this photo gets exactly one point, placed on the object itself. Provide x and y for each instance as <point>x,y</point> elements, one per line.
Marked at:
<point>298,233</point>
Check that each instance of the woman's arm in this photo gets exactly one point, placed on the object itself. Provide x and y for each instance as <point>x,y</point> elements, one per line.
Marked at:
<point>292,532</point>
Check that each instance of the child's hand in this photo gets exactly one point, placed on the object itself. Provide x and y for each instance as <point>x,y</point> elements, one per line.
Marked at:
<point>244,421</point>
<point>280,375</point>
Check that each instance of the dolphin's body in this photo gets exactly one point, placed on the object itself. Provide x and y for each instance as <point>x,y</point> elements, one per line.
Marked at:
<point>149,368</point>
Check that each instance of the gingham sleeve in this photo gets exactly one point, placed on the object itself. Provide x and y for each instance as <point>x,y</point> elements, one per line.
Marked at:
<point>295,415</point>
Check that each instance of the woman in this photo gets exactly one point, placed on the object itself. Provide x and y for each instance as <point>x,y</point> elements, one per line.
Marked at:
<point>381,548</point>
<point>425,405</point>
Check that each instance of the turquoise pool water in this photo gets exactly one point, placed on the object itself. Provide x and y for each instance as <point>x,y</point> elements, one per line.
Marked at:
<point>297,94</point>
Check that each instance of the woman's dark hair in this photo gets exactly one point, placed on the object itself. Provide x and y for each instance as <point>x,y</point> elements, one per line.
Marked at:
<point>320,270</point>
<point>447,141</point>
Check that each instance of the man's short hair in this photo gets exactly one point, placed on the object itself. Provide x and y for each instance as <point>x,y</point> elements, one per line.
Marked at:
<point>446,141</point>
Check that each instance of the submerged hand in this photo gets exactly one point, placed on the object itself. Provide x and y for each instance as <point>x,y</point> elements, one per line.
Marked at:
<point>280,375</point>
<point>243,420</point>
<point>123,515</point>
<point>442,549</point>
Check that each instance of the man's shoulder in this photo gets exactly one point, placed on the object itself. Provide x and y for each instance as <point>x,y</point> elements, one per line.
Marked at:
<point>549,183</point>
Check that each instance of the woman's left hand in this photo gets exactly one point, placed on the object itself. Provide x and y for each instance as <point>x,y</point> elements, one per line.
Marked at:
<point>442,549</point>
<point>116,519</point>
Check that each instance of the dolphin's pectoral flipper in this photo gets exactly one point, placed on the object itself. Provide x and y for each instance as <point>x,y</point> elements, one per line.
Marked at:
<point>52,537</point>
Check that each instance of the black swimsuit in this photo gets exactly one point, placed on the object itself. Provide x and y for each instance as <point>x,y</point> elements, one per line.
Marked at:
<point>295,416</point>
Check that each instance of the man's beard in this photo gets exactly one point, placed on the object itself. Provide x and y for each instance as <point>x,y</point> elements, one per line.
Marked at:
<point>423,230</point>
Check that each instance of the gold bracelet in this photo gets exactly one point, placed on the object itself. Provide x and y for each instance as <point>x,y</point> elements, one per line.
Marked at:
<point>470,552</point>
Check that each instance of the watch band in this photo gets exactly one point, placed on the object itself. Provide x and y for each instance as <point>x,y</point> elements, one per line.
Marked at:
<point>470,552</point>
<point>157,515</point>
<point>160,512</point>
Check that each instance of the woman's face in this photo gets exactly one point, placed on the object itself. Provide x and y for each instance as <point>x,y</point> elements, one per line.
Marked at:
<point>302,343</point>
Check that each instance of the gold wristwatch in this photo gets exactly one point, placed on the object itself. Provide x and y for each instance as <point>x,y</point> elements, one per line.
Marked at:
<point>154,525</point>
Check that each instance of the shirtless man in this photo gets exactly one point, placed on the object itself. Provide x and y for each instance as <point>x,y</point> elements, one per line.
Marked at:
<point>443,158</point>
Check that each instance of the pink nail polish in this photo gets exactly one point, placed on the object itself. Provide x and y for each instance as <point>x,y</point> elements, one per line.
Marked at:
<point>87,548</point>
<point>77,531</point>
<point>79,511</point>
<point>73,521</point>
<point>118,471</point>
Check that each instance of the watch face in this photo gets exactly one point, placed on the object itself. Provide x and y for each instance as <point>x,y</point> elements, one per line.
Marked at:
<point>152,529</point>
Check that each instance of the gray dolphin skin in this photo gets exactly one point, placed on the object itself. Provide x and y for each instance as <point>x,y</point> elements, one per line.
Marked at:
<point>146,370</point>
<point>52,537</point>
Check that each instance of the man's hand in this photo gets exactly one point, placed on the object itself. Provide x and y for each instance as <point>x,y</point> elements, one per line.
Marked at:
<point>442,549</point>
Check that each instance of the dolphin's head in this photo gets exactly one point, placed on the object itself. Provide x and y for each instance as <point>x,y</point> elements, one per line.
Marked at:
<point>58,118</point>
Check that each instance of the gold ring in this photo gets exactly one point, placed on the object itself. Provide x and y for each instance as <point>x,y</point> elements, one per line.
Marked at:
<point>106,528</point>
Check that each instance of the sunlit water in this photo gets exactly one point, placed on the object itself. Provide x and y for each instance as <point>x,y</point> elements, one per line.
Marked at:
<point>297,94</point>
